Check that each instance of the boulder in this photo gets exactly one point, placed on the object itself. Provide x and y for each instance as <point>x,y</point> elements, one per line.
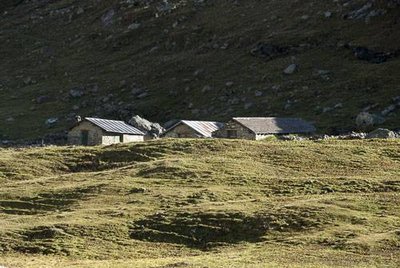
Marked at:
<point>134,26</point>
<point>389,109</point>
<point>76,92</point>
<point>51,121</point>
<point>108,18</point>
<point>365,54</point>
<point>291,69</point>
<point>258,93</point>
<point>152,130</point>
<point>42,99</point>
<point>353,136</point>
<point>366,120</point>
<point>382,133</point>
<point>269,51</point>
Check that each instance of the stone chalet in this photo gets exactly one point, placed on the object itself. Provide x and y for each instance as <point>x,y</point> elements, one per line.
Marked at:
<point>258,128</point>
<point>96,131</point>
<point>192,129</point>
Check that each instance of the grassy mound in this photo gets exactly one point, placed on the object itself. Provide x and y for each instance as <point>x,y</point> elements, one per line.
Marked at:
<point>202,203</point>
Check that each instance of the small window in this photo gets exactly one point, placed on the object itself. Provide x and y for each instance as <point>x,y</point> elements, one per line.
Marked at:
<point>121,138</point>
<point>232,133</point>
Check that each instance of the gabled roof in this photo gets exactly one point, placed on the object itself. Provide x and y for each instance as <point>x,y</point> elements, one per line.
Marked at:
<point>204,128</point>
<point>114,126</point>
<point>275,125</point>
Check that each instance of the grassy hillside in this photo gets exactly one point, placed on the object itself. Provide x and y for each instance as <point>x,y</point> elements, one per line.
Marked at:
<point>192,59</point>
<point>202,203</point>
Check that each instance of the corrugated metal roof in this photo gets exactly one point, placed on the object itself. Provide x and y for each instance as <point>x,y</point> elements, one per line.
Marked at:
<point>114,126</point>
<point>204,128</point>
<point>275,125</point>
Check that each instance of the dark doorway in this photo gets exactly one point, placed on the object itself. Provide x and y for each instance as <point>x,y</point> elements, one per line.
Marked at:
<point>85,137</point>
<point>232,134</point>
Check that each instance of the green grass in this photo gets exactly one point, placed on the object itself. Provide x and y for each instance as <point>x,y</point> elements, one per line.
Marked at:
<point>202,203</point>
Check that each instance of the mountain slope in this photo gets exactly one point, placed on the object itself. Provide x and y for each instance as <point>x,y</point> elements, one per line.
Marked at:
<point>194,60</point>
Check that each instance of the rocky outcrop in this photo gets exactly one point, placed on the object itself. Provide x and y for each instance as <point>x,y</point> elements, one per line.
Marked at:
<point>382,133</point>
<point>152,130</point>
<point>366,120</point>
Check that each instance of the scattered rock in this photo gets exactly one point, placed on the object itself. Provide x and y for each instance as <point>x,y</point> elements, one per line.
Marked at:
<point>143,95</point>
<point>134,26</point>
<point>291,138</point>
<point>328,14</point>
<point>389,109</point>
<point>42,99</point>
<point>382,133</point>
<point>363,53</point>
<point>27,80</point>
<point>258,93</point>
<point>323,72</point>
<point>291,69</point>
<point>51,121</point>
<point>338,105</point>
<point>229,84</point>
<point>77,92</point>
<point>206,88</point>
<point>137,91</point>
<point>360,13</point>
<point>269,51</point>
<point>108,18</point>
<point>248,105</point>
<point>327,109</point>
<point>80,11</point>
<point>353,136</point>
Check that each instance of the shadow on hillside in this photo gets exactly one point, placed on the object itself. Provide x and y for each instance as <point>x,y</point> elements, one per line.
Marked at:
<point>208,230</point>
<point>48,201</point>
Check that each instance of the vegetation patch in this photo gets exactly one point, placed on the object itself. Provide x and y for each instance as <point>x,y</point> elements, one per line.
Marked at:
<point>208,230</point>
<point>326,186</point>
<point>48,201</point>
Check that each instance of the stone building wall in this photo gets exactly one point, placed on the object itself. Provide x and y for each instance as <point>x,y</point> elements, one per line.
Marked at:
<point>94,138</point>
<point>109,139</point>
<point>182,131</point>
<point>227,131</point>
<point>132,138</point>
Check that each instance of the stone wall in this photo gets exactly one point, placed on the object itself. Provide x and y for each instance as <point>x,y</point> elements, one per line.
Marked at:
<point>132,138</point>
<point>109,139</point>
<point>94,138</point>
<point>182,131</point>
<point>242,132</point>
